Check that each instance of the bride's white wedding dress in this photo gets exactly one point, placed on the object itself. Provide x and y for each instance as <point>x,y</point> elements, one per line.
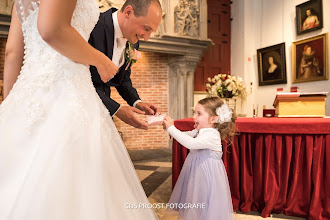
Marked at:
<point>61,157</point>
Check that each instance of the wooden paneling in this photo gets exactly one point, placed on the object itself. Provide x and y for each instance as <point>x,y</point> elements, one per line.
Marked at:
<point>217,59</point>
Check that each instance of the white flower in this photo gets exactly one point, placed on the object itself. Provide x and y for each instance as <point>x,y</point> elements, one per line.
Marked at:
<point>131,54</point>
<point>223,85</point>
<point>213,90</point>
<point>224,113</point>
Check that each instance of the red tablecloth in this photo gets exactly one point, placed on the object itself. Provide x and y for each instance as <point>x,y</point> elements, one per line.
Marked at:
<point>275,165</point>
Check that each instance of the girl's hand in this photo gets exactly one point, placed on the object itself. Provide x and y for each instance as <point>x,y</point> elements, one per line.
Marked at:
<point>168,122</point>
<point>107,69</point>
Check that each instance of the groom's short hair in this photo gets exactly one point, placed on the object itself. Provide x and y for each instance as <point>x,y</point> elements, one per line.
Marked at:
<point>140,6</point>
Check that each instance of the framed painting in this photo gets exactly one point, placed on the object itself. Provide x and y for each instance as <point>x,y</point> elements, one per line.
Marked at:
<point>309,16</point>
<point>271,65</point>
<point>310,59</point>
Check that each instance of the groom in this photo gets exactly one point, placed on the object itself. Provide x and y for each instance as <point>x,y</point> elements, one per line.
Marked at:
<point>111,35</point>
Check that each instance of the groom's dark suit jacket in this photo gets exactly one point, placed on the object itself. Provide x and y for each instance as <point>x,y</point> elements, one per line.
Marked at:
<point>102,38</point>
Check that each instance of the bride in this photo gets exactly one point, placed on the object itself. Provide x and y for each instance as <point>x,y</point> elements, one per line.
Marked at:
<point>61,157</point>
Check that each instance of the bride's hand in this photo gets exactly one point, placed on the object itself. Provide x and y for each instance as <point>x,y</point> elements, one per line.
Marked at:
<point>107,69</point>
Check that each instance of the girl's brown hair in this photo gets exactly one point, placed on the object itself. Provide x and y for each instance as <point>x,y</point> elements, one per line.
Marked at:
<point>226,129</point>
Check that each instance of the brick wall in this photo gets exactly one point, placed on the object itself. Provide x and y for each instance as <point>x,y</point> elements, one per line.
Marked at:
<point>149,77</point>
<point>2,55</point>
<point>2,61</point>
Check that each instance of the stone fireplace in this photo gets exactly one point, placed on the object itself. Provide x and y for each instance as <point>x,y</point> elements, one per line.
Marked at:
<point>165,75</point>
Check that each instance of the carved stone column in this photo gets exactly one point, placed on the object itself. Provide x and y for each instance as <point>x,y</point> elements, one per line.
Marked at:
<point>104,5</point>
<point>188,53</point>
<point>181,85</point>
<point>186,20</point>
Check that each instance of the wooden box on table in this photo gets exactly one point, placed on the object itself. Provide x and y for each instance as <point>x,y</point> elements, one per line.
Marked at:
<point>296,104</point>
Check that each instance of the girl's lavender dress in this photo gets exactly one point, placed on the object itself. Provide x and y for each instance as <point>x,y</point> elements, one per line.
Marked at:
<point>202,191</point>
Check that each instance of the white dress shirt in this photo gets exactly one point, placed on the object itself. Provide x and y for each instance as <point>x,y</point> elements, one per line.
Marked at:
<point>119,43</point>
<point>119,46</point>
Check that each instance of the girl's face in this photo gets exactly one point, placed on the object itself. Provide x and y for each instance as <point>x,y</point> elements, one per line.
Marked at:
<point>202,118</point>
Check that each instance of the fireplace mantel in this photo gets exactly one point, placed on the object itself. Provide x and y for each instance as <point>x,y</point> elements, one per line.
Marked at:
<point>175,45</point>
<point>187,53</point>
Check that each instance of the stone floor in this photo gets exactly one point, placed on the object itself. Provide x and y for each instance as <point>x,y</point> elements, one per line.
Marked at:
<point>154,168</point>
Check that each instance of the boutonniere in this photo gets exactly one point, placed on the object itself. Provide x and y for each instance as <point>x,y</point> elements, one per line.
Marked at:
<point>131,55</point>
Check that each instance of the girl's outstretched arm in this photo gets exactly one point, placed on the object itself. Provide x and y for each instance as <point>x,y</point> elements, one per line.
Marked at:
<point>207,139</point>
<point>168,122</point>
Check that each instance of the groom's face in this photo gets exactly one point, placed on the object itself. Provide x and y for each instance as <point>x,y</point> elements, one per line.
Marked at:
<point>141,27</point>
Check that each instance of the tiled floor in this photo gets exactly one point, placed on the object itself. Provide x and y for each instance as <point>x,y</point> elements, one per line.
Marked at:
<point>154,168</point>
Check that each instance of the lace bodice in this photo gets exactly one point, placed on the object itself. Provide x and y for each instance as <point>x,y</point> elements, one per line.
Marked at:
<point>44,68</point>
<point>39,55</point>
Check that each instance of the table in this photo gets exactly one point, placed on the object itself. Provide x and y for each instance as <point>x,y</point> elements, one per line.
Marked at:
<point>274,165</point>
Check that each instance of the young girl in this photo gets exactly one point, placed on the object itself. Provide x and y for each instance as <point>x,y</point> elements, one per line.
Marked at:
<point>202,190</point>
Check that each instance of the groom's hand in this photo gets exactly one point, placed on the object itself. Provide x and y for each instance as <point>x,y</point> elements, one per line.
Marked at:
<point>149,109</point>
<point>127,115</point>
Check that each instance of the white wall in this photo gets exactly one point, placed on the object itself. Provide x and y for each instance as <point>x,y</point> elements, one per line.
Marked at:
<point>260,23</point>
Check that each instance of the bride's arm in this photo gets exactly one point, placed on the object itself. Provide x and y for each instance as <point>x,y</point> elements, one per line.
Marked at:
<point>54,25</point>
<point>13,54</point>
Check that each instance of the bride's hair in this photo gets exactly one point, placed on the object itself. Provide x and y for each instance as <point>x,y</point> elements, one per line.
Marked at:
<point>140,6</point>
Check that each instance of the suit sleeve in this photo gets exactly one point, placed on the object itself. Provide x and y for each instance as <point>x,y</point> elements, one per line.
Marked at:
<point>109,103</point>
<point>126,89</point>
<point>98,39</point>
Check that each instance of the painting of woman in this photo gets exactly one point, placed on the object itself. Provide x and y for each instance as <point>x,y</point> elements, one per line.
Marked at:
<point>309,65</point>
<point>273,71</point>
<point>311,20</point>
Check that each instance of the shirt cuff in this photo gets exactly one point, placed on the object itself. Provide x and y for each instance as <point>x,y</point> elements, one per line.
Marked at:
<point>116,111</point>
<point>136,102</point>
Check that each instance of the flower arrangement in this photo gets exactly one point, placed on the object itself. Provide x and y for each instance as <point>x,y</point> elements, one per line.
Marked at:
<point>226,86</point>
<point>131,54</point>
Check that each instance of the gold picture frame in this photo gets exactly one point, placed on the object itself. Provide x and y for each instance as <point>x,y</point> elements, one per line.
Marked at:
<point>310,59</point>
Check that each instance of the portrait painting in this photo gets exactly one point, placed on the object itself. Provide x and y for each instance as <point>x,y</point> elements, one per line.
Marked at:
<point>309,16</point>
<point>310,59</point>
<point>271,65</point>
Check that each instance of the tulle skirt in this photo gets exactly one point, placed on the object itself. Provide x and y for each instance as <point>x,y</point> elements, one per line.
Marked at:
<point>61,157</point>
<point>202,191</point>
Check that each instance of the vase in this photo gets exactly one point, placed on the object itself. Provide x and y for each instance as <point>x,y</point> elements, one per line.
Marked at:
<point>231,102</point>
<point>228,95</point>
